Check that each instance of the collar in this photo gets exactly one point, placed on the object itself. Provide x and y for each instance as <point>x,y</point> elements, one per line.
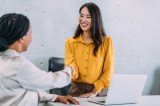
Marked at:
<point>80,39</point>
<point>11,52</point>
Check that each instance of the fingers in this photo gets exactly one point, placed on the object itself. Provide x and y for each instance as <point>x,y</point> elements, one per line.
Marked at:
<point>72,100</point>
<point>85,95</point>
<point>61,99</point>
<point>66,66</point>
<point>91,96</point>
<point>67,99</point>
<point>71,67</point>
<point>64,100</point>
<point>88,95</point>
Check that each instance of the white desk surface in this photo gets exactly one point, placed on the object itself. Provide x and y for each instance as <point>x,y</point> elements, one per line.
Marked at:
<point>153,100</point>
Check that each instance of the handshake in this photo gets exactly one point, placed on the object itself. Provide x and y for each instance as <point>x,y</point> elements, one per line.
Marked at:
<point>72,68</point>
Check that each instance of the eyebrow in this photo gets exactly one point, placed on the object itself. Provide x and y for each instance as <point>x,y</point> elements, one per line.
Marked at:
<point>83,14</point>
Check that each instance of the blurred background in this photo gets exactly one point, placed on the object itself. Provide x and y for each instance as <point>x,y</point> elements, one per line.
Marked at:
<point>133,25</point>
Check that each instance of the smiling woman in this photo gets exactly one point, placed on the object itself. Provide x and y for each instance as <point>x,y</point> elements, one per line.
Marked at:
<point>91,52</point>
<point>85,19</point>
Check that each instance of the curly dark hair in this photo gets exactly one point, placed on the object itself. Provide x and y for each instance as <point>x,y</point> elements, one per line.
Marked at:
<point>13,26</point>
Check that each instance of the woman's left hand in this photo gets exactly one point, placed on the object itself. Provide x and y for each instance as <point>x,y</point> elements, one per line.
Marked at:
<point>93,93</point>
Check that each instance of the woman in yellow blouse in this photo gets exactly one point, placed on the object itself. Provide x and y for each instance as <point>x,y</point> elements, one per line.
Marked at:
<point>90,51</point>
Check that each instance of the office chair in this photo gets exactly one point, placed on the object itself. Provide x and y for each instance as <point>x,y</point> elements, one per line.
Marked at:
<point>56,64</point>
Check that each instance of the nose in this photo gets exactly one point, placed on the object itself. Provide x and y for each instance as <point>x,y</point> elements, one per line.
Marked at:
<point>83,19</point>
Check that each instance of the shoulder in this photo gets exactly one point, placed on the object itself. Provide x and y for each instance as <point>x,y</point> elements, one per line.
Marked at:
<point>26,66</point>
<point>71,40</point>
<point>106,40</point>
<point>16,61</point>
<point>22,60</point>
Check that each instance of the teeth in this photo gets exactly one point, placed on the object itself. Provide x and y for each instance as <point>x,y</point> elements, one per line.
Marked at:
<point>84,25</point>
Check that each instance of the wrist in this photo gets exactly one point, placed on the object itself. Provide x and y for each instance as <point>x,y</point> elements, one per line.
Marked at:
<point>57,99</point>
<point>95,91</point>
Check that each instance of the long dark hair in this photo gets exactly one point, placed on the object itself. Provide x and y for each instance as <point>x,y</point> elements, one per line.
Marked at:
<point>97,30</point>
<point>13,26</point>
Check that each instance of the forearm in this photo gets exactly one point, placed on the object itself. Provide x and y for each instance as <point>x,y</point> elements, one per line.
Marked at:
<point>45,97</point>
<point>100,84</point>
<point>61,78</point>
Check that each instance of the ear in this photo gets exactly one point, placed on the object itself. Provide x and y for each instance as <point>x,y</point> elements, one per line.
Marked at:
<point>21,40</point>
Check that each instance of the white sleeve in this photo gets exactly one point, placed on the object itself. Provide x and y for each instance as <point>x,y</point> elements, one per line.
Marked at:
<point>31,77</point>
<point>44,96</point>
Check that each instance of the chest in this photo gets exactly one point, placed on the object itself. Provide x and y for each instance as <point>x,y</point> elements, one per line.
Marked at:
<point>84,52</point>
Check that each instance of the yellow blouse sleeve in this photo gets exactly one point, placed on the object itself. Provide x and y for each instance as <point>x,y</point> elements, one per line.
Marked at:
<point>69,57</point>
<point>108,68</point>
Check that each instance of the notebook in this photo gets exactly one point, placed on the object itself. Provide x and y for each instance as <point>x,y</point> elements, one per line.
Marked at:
<point>124,89</point>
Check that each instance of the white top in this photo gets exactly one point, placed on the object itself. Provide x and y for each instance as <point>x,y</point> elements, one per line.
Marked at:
<point>23,84</point>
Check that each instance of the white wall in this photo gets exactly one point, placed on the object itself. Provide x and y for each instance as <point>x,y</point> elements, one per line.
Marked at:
<point>134,26</point>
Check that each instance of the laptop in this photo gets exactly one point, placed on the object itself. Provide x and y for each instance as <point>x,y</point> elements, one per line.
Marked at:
<point>124,89</point>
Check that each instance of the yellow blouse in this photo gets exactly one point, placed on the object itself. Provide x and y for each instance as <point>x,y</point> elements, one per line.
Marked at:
<point>97,70</point>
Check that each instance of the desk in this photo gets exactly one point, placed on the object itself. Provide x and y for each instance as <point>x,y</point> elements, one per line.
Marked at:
<point>143,101</point>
